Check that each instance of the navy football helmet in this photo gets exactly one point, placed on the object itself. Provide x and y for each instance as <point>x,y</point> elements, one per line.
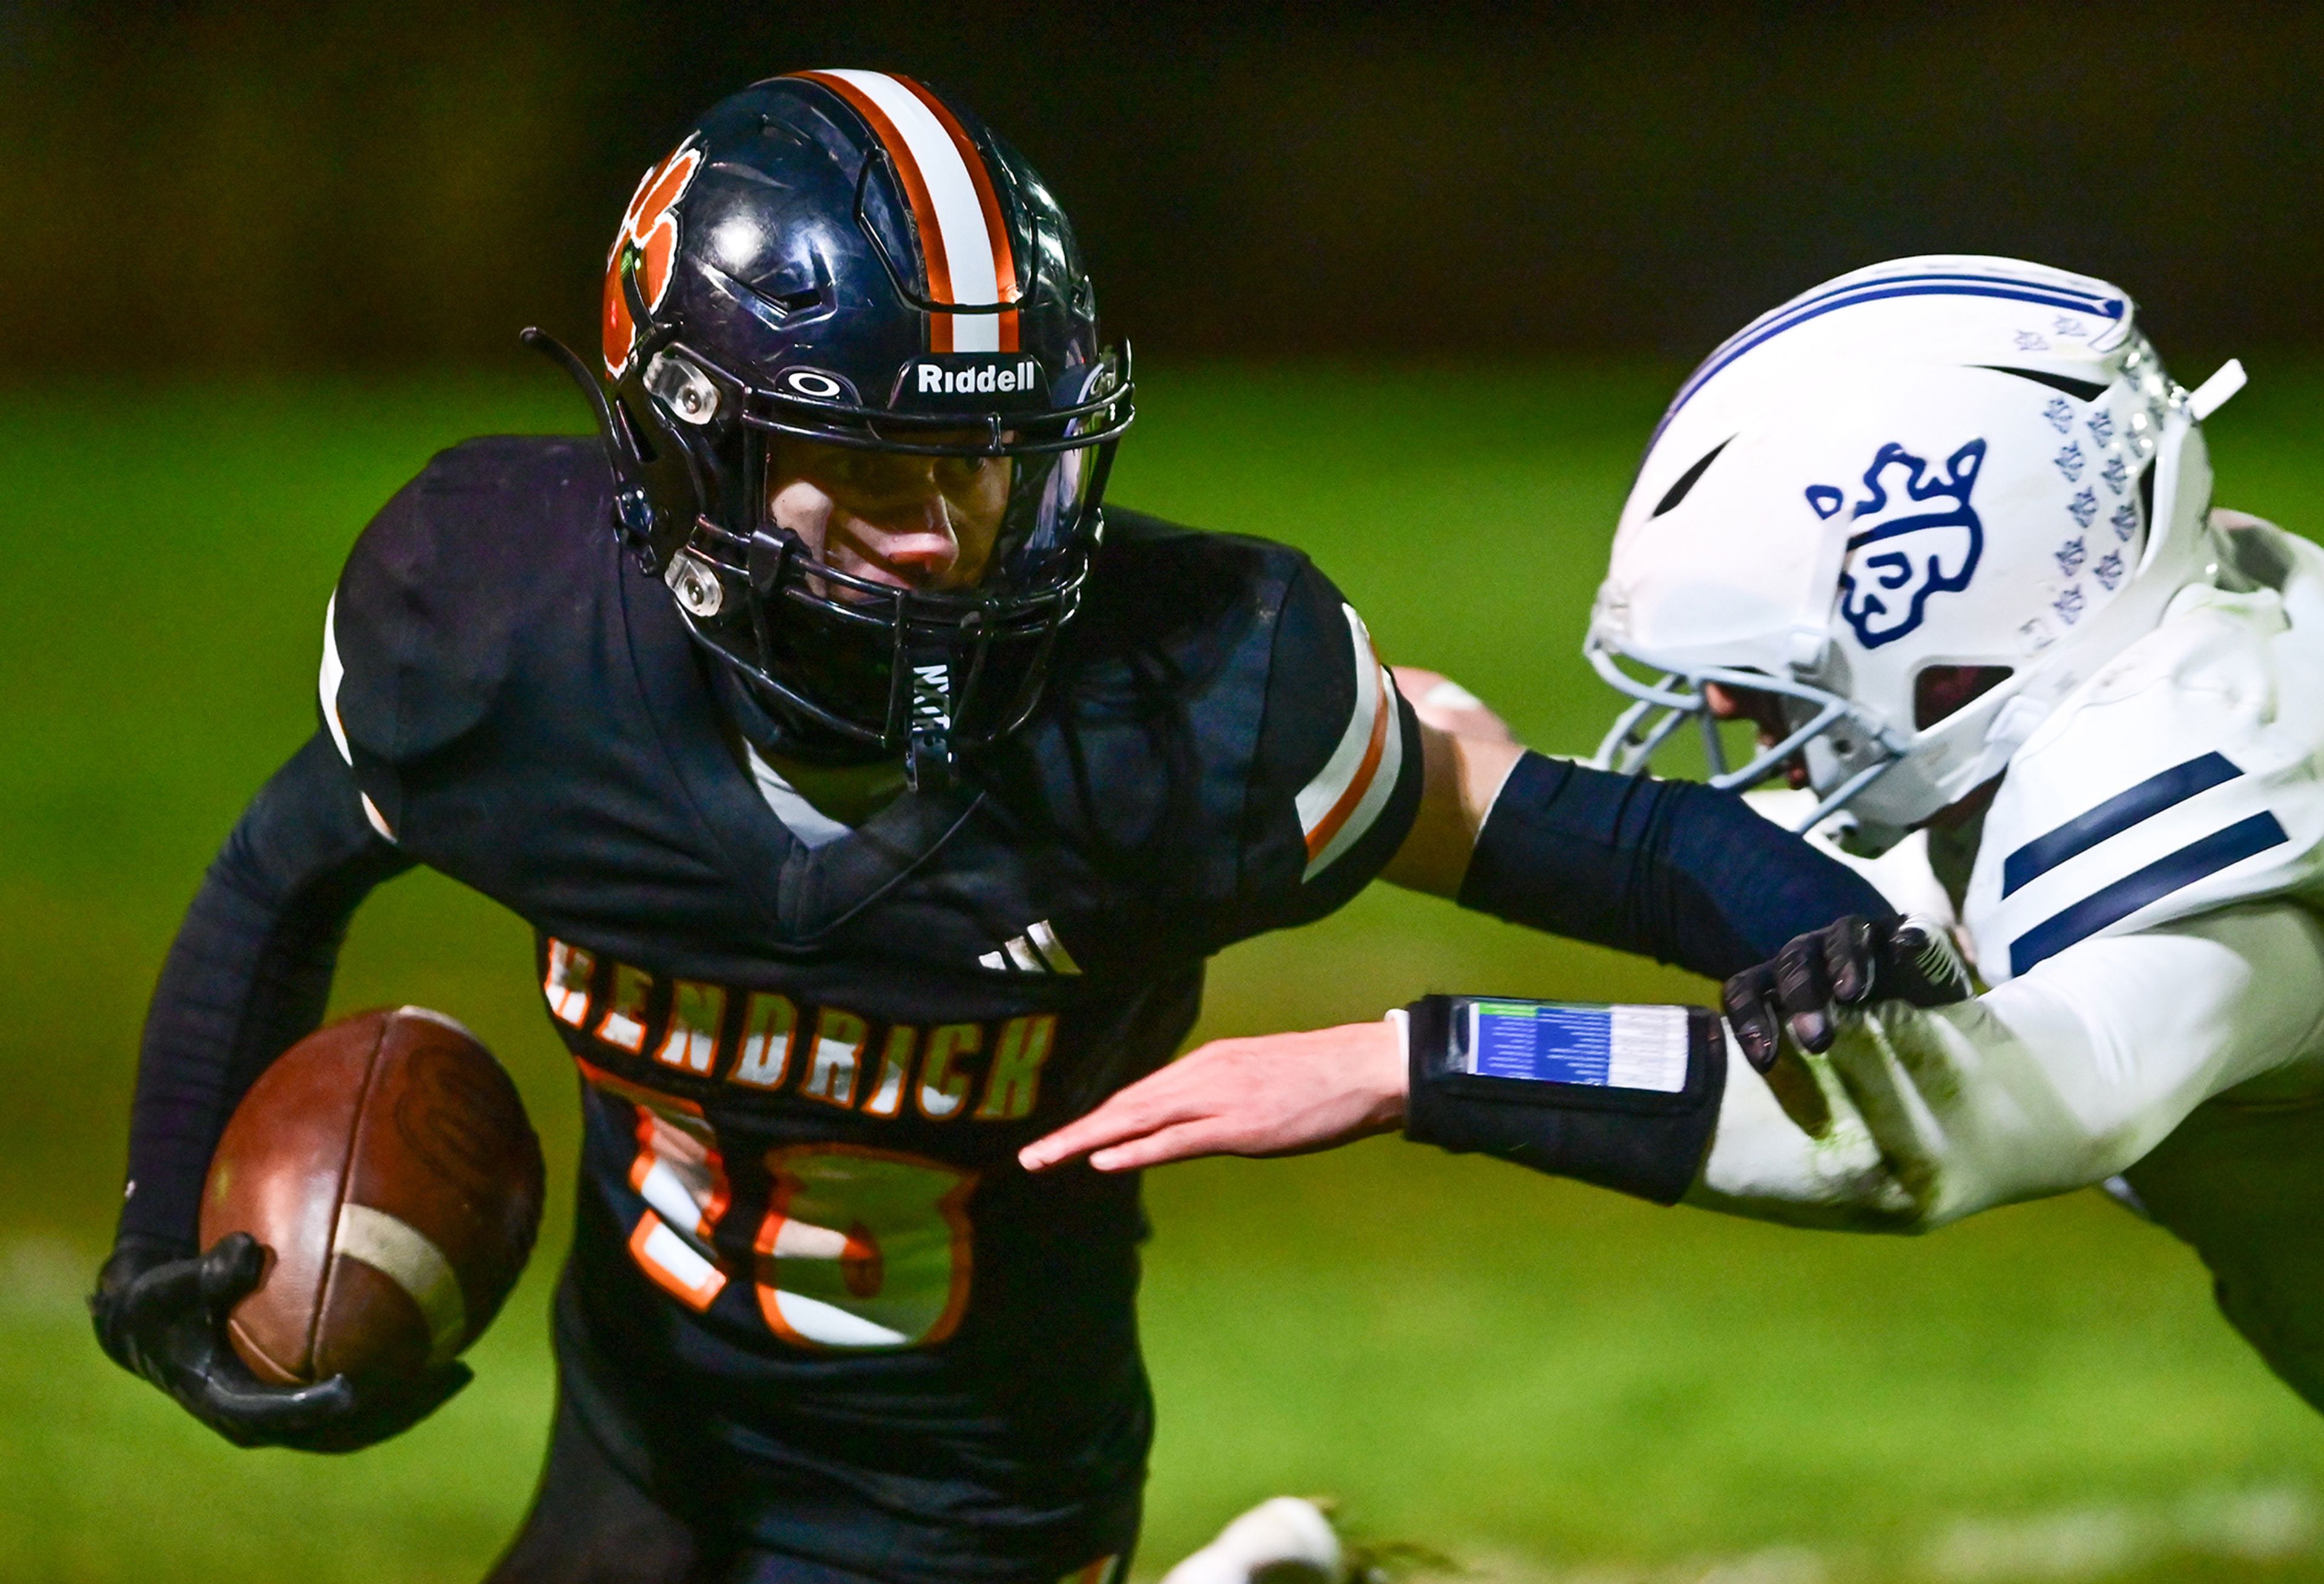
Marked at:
<point>847,257</point>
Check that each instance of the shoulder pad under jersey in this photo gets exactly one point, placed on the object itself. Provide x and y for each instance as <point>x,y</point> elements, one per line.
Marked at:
<point>1240,671</point>
<point>417,636</point>
<point>1336,778</point>
<point>2184,776</point>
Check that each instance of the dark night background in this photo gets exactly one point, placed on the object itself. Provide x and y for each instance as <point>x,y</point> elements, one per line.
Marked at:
<point>329,186</point>
<point>1408,286</point>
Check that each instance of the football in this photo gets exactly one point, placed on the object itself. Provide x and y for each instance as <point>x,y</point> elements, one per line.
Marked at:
<point>388,1166</point>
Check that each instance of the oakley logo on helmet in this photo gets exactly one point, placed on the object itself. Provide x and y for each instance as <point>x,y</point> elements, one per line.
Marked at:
<point>647,243</point>
<point>1915,536</point>
<point>816,385</point>
<point>973,381</point>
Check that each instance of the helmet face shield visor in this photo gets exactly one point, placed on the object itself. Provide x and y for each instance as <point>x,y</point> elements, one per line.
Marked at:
<point>1100,413</point>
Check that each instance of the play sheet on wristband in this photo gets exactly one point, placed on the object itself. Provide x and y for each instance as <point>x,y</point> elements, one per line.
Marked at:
<point>1605,1047</point>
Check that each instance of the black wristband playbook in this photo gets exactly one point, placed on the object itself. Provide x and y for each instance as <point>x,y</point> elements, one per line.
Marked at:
<point>1624,1097</point>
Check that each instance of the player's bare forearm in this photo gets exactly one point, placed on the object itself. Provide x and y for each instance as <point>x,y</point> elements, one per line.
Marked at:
<point>1278,1094</point>
<point>1446,706</point>
<point>1290,1093</point>
<point>1461,777</point>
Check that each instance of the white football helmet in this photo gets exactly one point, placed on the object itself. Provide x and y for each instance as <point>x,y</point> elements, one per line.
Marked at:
<point>1938,461</point>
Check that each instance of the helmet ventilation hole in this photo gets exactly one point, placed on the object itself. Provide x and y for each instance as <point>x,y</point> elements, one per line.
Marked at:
<point>1942,691</point>
<point>1687,480</point>
<point>2080,390</point>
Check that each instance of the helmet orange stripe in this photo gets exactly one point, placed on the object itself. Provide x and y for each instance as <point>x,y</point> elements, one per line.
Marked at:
<point>924,219</point>
<point>1004,262</point>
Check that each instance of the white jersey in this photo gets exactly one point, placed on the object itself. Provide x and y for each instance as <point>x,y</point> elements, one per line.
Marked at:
<point>2144,902</point>
<point>2187,775</point>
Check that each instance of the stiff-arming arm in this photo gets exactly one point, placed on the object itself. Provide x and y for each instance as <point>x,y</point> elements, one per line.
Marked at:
<point>1670,869</point>
<point>2055,1081</point>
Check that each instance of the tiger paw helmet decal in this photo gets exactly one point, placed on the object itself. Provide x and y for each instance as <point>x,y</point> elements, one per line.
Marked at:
<point>647,243</point>
<point>1913,536</point>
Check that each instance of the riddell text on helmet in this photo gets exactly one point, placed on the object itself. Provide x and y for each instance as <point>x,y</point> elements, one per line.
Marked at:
<point>1007,376</point>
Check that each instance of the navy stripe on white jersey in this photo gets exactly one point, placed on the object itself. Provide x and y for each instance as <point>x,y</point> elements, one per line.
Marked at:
<point>2093,863</point>
<point>2113,904</point>
<point>2115,816</point>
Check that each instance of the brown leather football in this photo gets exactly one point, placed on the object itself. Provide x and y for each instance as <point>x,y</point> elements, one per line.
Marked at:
<point>388,1166</point>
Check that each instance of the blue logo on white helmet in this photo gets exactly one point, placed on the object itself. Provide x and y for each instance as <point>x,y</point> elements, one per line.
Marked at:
<point>1915,536</point>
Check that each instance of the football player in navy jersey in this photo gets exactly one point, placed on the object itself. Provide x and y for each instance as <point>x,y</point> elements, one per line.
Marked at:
<point>876,804</point>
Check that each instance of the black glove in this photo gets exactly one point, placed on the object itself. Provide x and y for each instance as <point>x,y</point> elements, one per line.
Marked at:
<point>162,1313</point>
<point>1844,965</point>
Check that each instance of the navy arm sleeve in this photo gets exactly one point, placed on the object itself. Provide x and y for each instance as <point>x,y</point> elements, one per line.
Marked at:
<point>1673,869</point>
<point>249,975</point>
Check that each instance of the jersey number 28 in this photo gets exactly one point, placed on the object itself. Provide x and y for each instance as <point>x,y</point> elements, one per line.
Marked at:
<point>860,1248</point>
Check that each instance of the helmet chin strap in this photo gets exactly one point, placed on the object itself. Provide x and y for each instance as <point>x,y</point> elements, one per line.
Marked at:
<point>928,759</point>
<point>633,512</point>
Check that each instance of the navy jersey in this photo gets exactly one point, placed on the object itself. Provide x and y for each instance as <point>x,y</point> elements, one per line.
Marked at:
<point>817,1299</point>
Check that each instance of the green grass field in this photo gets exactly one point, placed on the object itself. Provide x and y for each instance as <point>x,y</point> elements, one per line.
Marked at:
<point>1540,1381</point>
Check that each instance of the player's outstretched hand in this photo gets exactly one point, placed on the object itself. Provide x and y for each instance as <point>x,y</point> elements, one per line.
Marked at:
<point>1844,965</point>
<point>163,1315</point>
<point>1278,1094</point>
